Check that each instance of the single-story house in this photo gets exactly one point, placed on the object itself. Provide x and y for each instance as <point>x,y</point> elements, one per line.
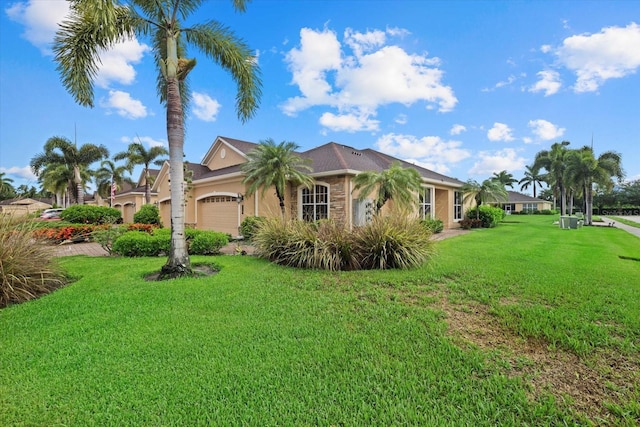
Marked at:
<point>19,207</point>
<point>130,199</point>
<point>519,202</point>
<point>216,198</point>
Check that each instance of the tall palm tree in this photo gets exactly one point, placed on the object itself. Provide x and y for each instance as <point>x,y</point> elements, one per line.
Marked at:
<point>505,178</point>
<point>135,155</point>
<point>109,175</point>
<point>61,151</point>
<point>58,179</point>
<point>584,169</point>
<point>6,187</point>
<point>93,27</point>
<point>275,165</point>
<point>396,183</point>
<point>531,178</point>
<point>554,162</point>
<point>490,191</point>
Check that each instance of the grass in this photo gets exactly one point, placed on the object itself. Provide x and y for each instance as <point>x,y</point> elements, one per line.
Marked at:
<point>625,221</point>
<point>260,344</point>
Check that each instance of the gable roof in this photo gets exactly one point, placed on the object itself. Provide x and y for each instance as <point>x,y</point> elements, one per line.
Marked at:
<point>23,201</point>
<point>515,197</point>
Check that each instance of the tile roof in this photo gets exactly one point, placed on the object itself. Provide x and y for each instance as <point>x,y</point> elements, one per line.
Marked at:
<point>515,197</point>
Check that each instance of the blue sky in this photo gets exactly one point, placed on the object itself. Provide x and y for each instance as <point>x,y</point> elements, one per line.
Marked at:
<point>465,88</point>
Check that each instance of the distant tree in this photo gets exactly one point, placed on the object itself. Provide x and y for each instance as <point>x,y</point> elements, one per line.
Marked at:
<point>490,191</point>
<point>61,151</point>
<point>6,188</point>
<point>396,183</point>
<point>554,162</point>
<point>531,178</point>
<point>95,26</point>
<point>630,193</point>
<point>275,165</point>
<point>135,155</point>
<point>109,174</point>
<point>505,178</point>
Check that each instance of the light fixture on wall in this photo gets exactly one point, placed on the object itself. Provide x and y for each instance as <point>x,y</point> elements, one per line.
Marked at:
<point>239,198</point>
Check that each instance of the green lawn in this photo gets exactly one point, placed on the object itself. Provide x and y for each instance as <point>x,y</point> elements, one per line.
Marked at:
<point>524,324</point>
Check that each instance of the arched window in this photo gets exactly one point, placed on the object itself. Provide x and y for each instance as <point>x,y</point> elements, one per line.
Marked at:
<point>314,202</point>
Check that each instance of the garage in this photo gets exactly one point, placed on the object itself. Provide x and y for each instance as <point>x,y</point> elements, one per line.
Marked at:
<point>127,212</point>
<point>219,213</point>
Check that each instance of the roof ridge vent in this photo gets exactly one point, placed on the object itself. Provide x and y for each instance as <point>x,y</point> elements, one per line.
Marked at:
<point>355,153</point>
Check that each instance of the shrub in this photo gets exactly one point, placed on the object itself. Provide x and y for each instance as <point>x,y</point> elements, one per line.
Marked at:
<point>147,228</point>
<point>148,214</point>
<point>137,244</point>
<point>469,223</point>
<point>207,243</point>
<point>249,226</point>
<point>107,236</point>
<point>66,232</point>
<point>433,225</point>
<point>489,216</point>
<point>88,214</point>
<point>27,267</point>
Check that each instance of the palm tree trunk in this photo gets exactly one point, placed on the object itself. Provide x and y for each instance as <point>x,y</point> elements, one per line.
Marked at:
<point>178,263</point>
<point>79,187</point>
<point>147,187</point>
<point>589,202</point>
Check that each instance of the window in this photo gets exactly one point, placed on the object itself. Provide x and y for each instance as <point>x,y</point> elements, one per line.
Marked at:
<point>425,203</point>
<point>315,203</point>
<point>529,207</point>
<point>457,205</point>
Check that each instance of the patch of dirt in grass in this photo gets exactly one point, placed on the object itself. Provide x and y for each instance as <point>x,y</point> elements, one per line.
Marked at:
<point>585,385</point>
<point>199,270</point>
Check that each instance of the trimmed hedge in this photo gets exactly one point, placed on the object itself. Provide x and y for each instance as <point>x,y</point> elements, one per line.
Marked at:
<point>148,214</point>
<point>139,243</point>
<point>489,216</point>
<point>88,214</point>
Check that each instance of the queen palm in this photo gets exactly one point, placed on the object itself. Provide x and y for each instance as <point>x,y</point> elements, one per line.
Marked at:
<point>554,162</point>
<point>275,165</point>
<point>61,151</point>
<point>93,27</point>
<point>58,179</point>
<point>532,178</point>
<point>490,191</point>
<point>135,155</point>
<point>396,183</point>
<point>109,175</point>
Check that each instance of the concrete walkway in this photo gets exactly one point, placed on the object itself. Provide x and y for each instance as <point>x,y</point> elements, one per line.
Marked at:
<point>633,230</point>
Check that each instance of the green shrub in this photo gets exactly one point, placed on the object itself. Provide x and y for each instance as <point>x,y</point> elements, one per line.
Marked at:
<point>137,244</point>
<point>249,226</point>
<point>489,216</point>
<point>148,214</point>
<point>433,225</point>
<point>469,223</point>
<point>88,214</point>
<point>27,267</point>
<point>207,243</point>
<point>106,237</point>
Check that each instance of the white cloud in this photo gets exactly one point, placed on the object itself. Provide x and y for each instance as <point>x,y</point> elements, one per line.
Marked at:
<point>149,141</point>
<point>401,119</point>
<point>204,107</point>
<point>124,105</point>
<point>500,132</point>
<point>545,130</point>
<point>549,83</point>
<point>496,161</point>
<point>40,19</point>
<point>116,63</point>
<point>348,122</point>
<point>457,129</point>
<point>546,48</point>
<point>356,85</point>
<point>23,172</point>
<point>595,58</point>
<point>431,152</point>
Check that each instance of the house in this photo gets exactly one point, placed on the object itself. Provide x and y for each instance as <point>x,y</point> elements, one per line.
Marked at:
<point>216,197</point>
<point>129,199</point>
<point>19,207</point>
<point>519,202</point>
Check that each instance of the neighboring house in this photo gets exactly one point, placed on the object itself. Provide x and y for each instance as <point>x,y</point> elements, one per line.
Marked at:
<point>129,200</point>
<point>216,199</point>
<point>519,202</point>
<point>19,207</point>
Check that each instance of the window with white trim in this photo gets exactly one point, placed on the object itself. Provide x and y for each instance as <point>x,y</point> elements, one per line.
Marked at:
<point>529,207</point>
<point>315,202</point>
<point>425,202</point>
<point>457,205</point>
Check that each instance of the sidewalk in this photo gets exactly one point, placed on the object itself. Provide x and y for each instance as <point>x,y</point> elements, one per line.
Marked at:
<point>633,230</point>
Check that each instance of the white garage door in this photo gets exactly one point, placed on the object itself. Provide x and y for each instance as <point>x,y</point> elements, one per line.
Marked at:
<point>219,213</point>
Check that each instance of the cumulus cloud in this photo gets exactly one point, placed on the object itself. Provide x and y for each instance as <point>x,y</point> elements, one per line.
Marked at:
<point>204,107</point>
<point>40,20</point>
<point>496,161</point>
<point>549,83</point>
<point>596,58</point>
<point>545,130</point>
<point>349,122</point>
<point>457,129</point>
<point>116,63</point>
<point>431,152</point>
<point>149,141</point>
<point>23,172</point>
<point>124,105</point>
<point>500,132</point>
<point>355,85</point>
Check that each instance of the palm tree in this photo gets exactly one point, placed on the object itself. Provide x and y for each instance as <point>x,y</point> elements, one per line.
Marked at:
<point>531,178</point>
<point>396,183</point>
<point>6,187</point>
<point>109,175</point>
<point>554,162</point>
<point>584,169</point>
<point>61,151</point>
<point>271,164</point>
<point>135,155</point>
<point>490,191</point>
<point>505,178</point>
<point>58,179</point>
<point>93,27</point>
